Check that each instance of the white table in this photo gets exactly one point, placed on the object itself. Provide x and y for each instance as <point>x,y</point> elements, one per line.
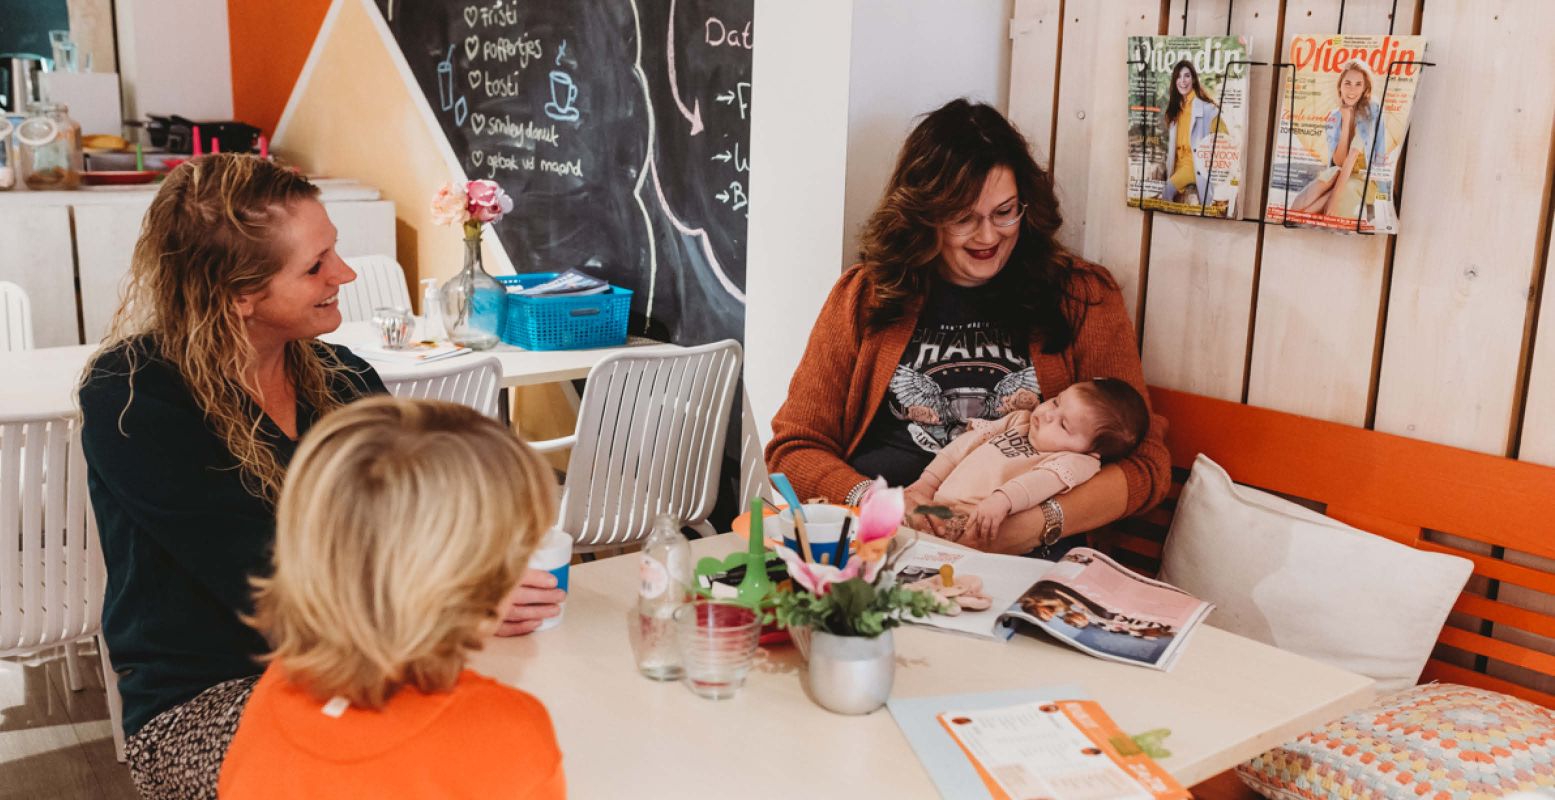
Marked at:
<point>622,735</point>
<point>520,367</point>
<point>43,381</point>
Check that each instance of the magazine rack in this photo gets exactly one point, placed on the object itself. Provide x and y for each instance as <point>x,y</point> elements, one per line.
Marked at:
<point>1290,132</point>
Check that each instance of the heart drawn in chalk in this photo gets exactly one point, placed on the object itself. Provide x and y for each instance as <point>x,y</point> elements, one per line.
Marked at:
<point>472,45</point>
<point>470,13</point>
<point>475,78</point>
<point>477,156</point>
<point>478,122</point>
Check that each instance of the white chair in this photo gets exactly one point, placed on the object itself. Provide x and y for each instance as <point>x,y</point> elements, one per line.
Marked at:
<point>649,441</point>
<point>379,282</point>
<point>51,561</point>
<point>753,460</point>
<point>462,379</point>
<point>15,318</point>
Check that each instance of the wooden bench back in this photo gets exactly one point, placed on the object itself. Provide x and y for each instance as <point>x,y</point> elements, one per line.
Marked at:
<point>1497,512</point>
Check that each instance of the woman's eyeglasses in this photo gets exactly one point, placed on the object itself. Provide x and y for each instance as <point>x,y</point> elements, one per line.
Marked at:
<point>1001,218</point>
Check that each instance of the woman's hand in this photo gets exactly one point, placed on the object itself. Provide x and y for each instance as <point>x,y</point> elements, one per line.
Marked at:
<point>532,602</point>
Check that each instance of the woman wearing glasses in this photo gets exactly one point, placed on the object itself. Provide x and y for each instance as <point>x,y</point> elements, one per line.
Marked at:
<point>963,307</point>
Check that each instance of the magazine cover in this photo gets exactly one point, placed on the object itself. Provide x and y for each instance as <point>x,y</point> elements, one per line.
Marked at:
<point>1344,110</point>
<point>1187,123</point>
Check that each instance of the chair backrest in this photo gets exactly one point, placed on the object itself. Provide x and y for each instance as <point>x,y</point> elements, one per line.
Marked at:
<point>15,318</point>
<point>1493,511</point>
<point>379,282</point>
<point>753,460</point>
<point>462,379</point>
<point>650,440</point>
<point>51,562</point>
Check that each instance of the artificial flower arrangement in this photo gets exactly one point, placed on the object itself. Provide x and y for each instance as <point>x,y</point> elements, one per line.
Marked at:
<point>470,204</point>
<point>860,598</point>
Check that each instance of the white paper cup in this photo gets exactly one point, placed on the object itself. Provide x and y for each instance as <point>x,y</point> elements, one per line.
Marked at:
<point>554,555</point>
<point>823,527</point>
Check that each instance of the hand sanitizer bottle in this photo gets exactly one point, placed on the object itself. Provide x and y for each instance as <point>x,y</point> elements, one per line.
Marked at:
<point>431,311</point>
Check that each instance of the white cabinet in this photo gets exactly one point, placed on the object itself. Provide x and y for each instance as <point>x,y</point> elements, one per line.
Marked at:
<point>71,250</point>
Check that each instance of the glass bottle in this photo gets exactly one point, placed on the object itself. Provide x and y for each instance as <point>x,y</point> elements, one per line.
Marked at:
<point>48,148</point>
<point>665,570</point>
<point>7,171</point>
<point>473,302</point>
<point>431,311</point>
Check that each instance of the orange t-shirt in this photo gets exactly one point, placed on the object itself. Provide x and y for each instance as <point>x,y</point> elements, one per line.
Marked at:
<point>481,739</point>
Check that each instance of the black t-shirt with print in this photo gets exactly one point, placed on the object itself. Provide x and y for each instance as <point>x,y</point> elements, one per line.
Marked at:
<point>958,366</point>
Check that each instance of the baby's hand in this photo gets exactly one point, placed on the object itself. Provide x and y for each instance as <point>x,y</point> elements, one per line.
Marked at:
<point>984,520</point>
<point>916,495</point>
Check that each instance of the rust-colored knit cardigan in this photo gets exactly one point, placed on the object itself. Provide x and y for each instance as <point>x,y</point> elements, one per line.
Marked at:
<point>846,369</point>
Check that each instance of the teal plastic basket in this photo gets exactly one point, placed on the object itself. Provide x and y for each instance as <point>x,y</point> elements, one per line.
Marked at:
<point>564,323</point>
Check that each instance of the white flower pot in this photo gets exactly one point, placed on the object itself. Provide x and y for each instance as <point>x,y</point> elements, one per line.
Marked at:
<point>851,674</point>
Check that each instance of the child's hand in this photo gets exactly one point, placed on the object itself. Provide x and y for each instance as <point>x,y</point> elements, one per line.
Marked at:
<point>984,520</point>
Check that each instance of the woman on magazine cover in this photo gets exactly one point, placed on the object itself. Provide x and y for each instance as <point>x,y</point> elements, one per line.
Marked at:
<point>1190,116</point>
<point>1356,137</point>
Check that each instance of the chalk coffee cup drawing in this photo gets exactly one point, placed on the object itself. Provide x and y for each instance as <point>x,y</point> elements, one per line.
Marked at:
<point>563,94</point>
<point>554,555</point>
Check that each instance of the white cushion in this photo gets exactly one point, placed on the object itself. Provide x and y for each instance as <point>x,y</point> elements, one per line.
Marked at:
<point>1290,577</point>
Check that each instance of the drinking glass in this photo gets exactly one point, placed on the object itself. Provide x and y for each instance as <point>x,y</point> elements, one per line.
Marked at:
<point>717,641</point>
<point>64,51</point>
<point>394,326</point>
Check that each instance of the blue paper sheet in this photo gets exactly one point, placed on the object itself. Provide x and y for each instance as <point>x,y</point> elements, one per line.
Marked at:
<point>950,769</point>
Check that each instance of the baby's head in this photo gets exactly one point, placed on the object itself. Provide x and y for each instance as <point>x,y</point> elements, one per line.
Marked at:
<point>401,527</point>
<point>1105,417</point>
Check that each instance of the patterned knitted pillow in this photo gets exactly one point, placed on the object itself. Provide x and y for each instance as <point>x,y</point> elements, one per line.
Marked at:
<point>1439,742</point>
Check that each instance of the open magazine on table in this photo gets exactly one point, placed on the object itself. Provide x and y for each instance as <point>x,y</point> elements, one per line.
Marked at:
<point>1086,600</point>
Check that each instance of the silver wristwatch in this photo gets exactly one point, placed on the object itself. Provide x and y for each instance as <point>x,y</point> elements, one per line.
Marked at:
<point>1052,522</point>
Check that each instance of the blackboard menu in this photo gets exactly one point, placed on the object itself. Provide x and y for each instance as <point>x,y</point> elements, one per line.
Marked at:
<point>621,128</point>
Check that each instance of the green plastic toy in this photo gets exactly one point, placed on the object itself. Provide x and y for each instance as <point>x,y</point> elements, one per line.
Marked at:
<point>756,588</point>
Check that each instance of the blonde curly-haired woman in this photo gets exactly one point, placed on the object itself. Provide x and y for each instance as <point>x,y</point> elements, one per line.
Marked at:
<point>191,413</point>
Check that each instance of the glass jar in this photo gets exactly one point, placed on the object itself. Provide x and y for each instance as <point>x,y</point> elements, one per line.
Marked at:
<point>48,148</point>
<point>7,172</point>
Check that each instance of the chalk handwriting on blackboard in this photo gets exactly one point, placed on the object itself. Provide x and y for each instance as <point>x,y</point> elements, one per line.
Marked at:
<point>590,114</point>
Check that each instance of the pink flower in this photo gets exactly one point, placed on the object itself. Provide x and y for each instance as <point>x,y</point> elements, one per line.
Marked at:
<point>487,201</point>
<point>448,206</point>
<point>880,513</point>
<point>817,578</point>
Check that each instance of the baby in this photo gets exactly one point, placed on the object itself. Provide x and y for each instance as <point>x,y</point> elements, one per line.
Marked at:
<point>1000,467</point>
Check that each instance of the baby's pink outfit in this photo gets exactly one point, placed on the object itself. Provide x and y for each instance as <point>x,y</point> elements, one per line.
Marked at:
<point>997,456</point>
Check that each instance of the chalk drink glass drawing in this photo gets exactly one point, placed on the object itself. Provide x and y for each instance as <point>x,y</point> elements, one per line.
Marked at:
<point>563,94</point>
<point>445,81</point>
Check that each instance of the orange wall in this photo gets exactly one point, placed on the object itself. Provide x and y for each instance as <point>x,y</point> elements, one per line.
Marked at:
<point>268,51</point>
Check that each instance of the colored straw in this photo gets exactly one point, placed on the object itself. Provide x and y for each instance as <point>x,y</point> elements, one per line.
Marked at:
<point>199,148</point>
<point>264,148</point>
<point>140,158</point>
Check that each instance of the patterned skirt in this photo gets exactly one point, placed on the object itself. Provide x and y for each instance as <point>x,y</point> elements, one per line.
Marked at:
<point>177,755</point>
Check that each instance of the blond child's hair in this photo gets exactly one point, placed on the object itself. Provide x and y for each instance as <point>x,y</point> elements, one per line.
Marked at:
<point>401,526</point>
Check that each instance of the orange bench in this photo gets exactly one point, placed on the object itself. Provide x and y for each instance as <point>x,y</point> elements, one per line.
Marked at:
<point>1497,512</point>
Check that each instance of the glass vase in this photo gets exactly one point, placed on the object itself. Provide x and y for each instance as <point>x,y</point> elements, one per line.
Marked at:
<point>474,302</point>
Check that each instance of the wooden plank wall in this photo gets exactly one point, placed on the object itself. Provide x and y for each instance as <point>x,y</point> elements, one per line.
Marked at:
<point>1445,332</point>
<point>1434,333</point>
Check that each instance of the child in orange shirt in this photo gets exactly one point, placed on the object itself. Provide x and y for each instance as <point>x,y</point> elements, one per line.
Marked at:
<point>999,467</point>
<point>401,527</point>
